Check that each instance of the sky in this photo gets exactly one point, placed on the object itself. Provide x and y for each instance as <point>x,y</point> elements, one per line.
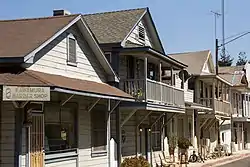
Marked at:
<point>183,25</point>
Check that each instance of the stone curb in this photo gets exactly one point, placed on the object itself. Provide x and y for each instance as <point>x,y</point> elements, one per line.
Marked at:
<point>226,159</point>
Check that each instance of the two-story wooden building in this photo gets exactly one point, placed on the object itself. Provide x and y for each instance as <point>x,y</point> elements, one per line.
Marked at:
<point>132,45</point>
<point>237,75</point>
<point>56,100</point>
<point>212,92</point>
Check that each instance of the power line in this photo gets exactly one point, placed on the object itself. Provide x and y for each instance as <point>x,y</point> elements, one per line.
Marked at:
<point>232,36</point>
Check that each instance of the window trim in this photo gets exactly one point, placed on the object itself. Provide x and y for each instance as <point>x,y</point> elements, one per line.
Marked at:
<point>110,56</point>
<point>71,36</point>
<point>75,125</point>
<point>98,153</point>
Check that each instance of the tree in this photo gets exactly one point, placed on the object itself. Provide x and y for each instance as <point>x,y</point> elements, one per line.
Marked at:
<point>225,60</point>
<point>242,59</point>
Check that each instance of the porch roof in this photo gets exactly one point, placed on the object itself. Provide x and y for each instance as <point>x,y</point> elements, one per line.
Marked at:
<point>63,84</point>
<point>175,63</point>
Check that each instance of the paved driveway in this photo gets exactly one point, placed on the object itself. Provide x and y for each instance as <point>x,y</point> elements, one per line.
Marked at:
<point>240,163</point>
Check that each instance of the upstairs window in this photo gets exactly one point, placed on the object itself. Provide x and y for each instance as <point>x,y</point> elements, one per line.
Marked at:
<point>108,57</point>
<point>71,50</point>
<point>141,32</point>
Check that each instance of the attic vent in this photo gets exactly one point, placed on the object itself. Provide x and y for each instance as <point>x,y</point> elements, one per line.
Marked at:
<point>60,12</point>
<point>141,32</point>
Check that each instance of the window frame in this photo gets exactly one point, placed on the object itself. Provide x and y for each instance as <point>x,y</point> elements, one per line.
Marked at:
<point>109,56</point>
<point>141,29</point>
<point>71,36</point>
<point>74,107</point>
<point>98,153</point>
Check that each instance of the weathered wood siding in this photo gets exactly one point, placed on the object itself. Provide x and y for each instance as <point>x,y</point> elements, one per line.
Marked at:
<point>7,139</point>
<point>85,158</point>
<point>134,36</point>
<point>53,59</point>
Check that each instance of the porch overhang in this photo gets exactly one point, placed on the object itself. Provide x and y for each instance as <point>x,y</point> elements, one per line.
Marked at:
<point>152,107</point>
<point>196,106</point>
<point>240,119</point>
<point>137,50</point>
<point>58,83</point>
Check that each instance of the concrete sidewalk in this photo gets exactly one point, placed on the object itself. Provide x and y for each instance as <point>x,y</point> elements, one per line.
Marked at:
<point>215,162</point>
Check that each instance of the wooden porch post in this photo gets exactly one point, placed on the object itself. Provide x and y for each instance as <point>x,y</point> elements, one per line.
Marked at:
<point>145,73</point>
<point>213,96</point>
<point>172,75</point>
<point>160,72</point>
<point>182,80</point>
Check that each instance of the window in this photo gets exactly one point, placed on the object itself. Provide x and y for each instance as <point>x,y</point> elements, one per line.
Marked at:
<point>130,67</point>
<point>71,50</point>
<point>151,71</point>
<point>156,136</point>
<point>141,32</point>
<point>99,131</point>
<point>60,127</point>
<point>108,57</point>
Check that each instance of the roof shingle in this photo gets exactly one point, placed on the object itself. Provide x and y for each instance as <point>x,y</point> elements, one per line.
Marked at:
<point>35,78</point>
<point>194,60</point>
<point>112,27</point>
<point>20,37</point>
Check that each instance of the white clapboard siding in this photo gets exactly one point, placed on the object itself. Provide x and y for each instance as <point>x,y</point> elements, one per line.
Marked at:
<point>53,59</point>
<point>7,140</point>
<point>128,147</point>
<point>85,158</point>
<point>133,36</point>
<point>68,163</point>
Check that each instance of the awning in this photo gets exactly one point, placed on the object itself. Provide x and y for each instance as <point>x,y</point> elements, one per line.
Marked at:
<point>64,84</point>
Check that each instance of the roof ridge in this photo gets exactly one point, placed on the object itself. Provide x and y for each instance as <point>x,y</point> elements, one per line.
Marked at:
<point>189,52</point>
<point>115,11</point>
<point>39,18</point>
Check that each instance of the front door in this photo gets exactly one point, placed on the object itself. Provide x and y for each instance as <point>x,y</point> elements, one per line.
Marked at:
<point>37,140</point>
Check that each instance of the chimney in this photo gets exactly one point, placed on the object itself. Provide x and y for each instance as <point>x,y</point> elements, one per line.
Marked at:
<point>60,12</point>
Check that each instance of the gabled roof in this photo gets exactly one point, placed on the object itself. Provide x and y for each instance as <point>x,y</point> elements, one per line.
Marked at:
<point>20,37</point>
<point>113,27</point>
<point>233,74</point>
<point>194,60</point>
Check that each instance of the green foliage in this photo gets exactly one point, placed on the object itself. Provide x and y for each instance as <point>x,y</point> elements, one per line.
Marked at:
<point>184,143</point>
<point>135,162</point>
<point>242,59</point>
<point>225,60</point>
<point>172,142</point>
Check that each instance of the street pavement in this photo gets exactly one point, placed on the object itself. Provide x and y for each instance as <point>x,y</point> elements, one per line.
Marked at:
<point>245,162</point>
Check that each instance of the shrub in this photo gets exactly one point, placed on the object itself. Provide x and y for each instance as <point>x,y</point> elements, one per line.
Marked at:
<point>184,143</point>
<point>135,162</point>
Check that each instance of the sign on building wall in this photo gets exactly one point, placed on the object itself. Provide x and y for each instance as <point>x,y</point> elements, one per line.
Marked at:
<point>25,93</point>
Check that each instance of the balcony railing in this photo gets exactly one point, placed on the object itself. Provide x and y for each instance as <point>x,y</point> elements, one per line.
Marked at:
<point>154,91</point>
<point>219,105</point>
<point>222,106</point>
<point>189,95</point>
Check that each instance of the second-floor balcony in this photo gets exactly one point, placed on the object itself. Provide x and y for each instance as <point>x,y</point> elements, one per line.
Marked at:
<point>154,91</point>
<point>214,93</point>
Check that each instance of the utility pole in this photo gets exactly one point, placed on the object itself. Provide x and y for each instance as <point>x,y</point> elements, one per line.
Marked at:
<point>216,56</point>
<point>223,26</point>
